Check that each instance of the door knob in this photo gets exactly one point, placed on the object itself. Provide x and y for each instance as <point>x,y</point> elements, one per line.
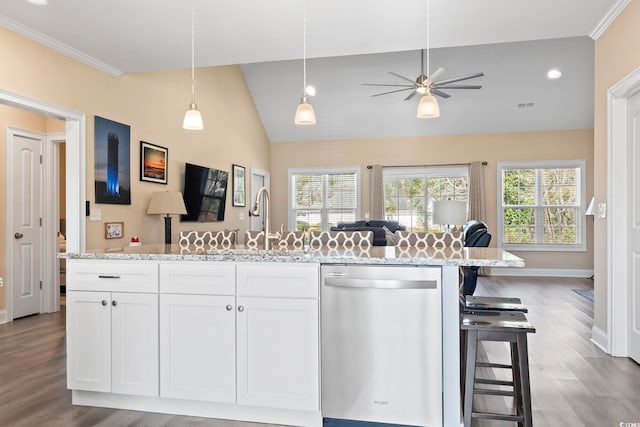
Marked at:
<point>240,308</point>
<point>229,307</point>
<point>18,235</point>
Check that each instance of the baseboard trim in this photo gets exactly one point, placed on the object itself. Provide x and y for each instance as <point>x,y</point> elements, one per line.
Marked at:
<point>3,317</point>
<point>599,338</point>
<point>541,272</point>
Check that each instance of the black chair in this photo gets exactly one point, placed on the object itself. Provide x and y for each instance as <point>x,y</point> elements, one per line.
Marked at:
<point>475,235</point>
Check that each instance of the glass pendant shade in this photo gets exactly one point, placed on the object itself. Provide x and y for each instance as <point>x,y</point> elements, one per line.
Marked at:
<point>304,113</point>
<point>428,107</point>
<point>192,119</point>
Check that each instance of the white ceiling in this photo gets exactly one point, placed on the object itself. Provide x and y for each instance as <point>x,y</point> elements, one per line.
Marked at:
<point>143,35</point>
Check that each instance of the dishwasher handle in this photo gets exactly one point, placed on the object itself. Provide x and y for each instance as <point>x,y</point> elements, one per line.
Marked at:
<point>342,282</point>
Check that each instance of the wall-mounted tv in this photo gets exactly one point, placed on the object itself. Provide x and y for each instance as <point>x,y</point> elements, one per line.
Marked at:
<point>205,193</point>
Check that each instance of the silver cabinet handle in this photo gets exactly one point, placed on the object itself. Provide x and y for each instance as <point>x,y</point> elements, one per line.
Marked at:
<point>18,235</point>
<point>381,283</point>
<point>240,308</point>
<point>229,307</point>
<point>107,276</point>
<point>104,302</point>
<point>114,303</point>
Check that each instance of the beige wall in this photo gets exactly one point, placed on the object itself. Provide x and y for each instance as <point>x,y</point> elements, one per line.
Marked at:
<point>153,104</point>
<point>573,144</point>
<point>617,54</point>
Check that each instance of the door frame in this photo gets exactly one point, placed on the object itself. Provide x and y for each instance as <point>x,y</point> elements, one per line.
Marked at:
<point>75,138</point>
<point>618,170</point>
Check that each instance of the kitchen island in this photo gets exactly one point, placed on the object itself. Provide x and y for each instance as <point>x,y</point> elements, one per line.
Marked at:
<point>232,333</point>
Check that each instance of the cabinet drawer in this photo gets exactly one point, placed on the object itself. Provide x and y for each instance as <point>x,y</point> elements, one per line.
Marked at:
<point>278,280</point>
<point>199,277</point>
<point>118,276</point>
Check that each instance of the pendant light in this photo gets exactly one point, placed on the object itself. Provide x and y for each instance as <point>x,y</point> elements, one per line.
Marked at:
<point>193,118</point>
<point>304,113</point>
<point>428,107</point>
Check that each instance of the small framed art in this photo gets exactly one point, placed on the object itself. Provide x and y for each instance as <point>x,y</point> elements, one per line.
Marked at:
<point>113,230</point>
<point>153,163</point>
<point>239,193</point>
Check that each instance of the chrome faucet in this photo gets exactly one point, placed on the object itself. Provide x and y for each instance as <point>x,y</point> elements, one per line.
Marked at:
<point>256,212</point>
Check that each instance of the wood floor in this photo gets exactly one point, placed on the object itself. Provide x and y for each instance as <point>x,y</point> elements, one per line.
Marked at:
<point>573,382</point>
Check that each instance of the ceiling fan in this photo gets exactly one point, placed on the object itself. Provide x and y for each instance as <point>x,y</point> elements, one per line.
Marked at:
<point>424,84</point>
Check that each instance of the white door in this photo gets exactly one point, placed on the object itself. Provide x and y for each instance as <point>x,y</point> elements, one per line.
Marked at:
<point>89,341</point>
<point>197,347</point>
<point>278,353</point>
<point>257,222</point>
<point>134,344</point>
<point>634,282</point>
<point>26,229</point>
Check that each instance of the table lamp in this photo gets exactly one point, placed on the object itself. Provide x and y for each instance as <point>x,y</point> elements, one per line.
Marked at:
<point>167,203</point>
<point>449,212</point>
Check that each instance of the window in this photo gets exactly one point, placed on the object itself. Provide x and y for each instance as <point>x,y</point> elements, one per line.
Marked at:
<point>540,205</point>
<point>320,198</point>
<point>409,193</point>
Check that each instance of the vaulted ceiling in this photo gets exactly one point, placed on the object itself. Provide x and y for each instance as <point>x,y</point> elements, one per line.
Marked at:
<point>349,43</point>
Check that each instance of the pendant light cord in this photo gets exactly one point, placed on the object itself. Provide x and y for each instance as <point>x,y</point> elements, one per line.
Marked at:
<point>428,73</point>
<point>193,55</point>
<point>304,48</point>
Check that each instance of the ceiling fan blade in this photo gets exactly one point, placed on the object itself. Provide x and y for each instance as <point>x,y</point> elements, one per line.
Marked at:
<point>402,77</point>
<point>457,79</point>
<point>460,87</point>
<point>393,91</point>
<point>436,73</point>
<point>411,95</point>
<point>378,84</point>
<point>438,92</point>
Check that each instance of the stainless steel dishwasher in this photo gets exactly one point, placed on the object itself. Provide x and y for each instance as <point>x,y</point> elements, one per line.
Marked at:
<point>381,345</point>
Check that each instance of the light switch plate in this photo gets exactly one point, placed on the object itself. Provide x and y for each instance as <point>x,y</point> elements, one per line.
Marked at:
<point>602,210</point>
<point>95,214</point>
<point>241,216</point>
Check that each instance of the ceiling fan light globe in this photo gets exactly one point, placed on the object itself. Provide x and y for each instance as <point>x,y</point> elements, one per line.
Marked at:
<point>428,107</point>
<point>304,113</point>
<point>192,119</point>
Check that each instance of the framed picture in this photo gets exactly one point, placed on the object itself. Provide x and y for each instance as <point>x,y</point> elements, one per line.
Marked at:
<point>112,164</point>
<point>239,194</point>
<point>113,230</point>
<point>153,163</point>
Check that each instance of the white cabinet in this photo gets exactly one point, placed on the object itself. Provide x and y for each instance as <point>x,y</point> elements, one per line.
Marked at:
<point>112,336</point>
<point>240,333</point>
<point>278,335</point>
<point>198,331</point>
<point>197,347</point>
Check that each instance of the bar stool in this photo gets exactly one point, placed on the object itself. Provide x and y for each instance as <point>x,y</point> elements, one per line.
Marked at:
<point>507,326</point>
<point>478,303</point>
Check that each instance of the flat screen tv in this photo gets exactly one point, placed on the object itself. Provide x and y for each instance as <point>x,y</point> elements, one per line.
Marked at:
<point>205,193</point>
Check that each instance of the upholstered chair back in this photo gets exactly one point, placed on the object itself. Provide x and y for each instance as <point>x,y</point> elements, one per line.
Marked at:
<point>290,239</point>
<point>429,240</point>
<point>346,239</point>
<point>207,239</point>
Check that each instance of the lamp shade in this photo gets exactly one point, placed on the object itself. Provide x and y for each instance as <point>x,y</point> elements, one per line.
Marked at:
<point>166,203</point>
<point>192,119</point>
<point>428,107</point>
<point>452,212</point>
<point>304,113</point>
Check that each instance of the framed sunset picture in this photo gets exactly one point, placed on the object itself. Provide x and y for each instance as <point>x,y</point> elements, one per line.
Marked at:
<point>153,163</point>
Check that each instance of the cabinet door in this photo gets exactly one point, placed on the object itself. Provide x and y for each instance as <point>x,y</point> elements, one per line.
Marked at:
<point>278,353</point>
<point>89,341</point>
<point>134,336</point>
<point>197,347</point>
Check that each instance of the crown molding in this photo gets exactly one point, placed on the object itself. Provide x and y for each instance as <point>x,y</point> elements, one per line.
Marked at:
<point>607,19</point>
<point>54,44</point>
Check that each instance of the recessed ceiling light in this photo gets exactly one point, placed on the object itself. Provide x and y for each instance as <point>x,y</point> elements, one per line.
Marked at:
<point>39,2</point>
<point>554,74</point>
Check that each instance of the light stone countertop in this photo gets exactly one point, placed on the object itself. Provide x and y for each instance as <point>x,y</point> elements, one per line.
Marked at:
<point>385,255</point>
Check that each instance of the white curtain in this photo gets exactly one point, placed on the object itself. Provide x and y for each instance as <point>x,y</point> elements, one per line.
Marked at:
<point>377,193</point>
<point>476,192</point>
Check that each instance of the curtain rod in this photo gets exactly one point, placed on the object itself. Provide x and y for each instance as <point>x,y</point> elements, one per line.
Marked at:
<point>424,166</point>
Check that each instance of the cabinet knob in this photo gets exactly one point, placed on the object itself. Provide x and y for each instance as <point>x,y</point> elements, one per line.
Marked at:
<point>240,308</point>
<point>114,303</point>
<point>104,302</point>
<point>229,307</point>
